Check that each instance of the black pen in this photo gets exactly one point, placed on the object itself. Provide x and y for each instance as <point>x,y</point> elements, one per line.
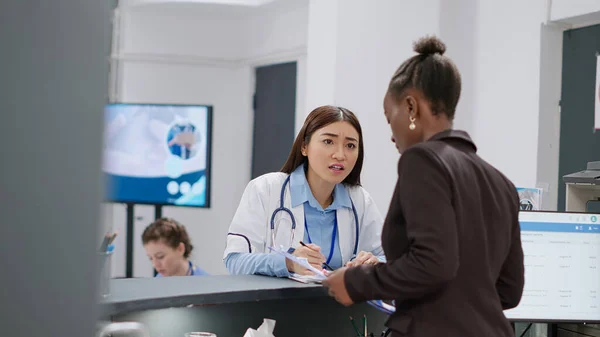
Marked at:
<point>324,263</point>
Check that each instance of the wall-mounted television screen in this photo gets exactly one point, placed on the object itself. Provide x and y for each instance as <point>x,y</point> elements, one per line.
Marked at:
<point>158,154</point>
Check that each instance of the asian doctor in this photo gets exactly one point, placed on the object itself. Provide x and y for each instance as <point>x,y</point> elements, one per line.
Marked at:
<point>315,206</point>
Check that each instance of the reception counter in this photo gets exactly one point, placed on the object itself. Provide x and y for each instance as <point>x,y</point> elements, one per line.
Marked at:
<point>228,305</point>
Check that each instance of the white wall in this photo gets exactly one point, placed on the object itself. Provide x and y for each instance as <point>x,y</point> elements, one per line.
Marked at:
<point>575,11</point>
<point>276,33</point>
<point>322,49</point>
<point>178,32</point>
<point>507,82</point>
<point>182,54</point>
<point>372,40</point>
<point>461,37</point>
<point>496,45</point>
<point>280,35</point>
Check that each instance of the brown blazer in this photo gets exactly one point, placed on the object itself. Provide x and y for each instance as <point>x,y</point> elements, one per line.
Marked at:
<point>452,242</point>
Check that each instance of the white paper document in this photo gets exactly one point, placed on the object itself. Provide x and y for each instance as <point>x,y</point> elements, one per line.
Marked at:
<point>306,278</point>
<point>319,274</point>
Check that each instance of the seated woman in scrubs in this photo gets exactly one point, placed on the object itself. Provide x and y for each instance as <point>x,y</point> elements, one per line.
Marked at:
<point>168,247</point>
<point>315,207</point>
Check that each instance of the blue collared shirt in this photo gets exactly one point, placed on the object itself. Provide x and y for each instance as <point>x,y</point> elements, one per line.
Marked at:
<point>319,222</point>
<point>196,271</point>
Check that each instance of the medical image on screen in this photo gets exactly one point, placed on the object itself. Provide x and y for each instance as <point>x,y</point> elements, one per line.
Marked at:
<point>157,154</point>
<point>182,140</point>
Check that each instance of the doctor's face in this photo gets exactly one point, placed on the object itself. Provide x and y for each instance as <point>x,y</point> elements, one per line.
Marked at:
<point>332,152</point>
<point>166,260</point>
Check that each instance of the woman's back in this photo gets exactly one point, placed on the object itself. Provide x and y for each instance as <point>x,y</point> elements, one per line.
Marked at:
<point>477,269</point>
<point>451,236</point>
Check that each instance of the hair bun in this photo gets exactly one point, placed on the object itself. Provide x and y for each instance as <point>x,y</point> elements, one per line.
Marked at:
<point>429,45</point>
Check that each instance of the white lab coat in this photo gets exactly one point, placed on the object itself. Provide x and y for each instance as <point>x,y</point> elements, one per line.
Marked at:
<point>250,229</point>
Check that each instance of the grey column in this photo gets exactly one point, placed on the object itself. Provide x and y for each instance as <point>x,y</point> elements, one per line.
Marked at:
<point>53,86</point>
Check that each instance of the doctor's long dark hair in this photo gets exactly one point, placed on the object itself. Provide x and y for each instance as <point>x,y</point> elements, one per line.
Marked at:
<point>317,119</point>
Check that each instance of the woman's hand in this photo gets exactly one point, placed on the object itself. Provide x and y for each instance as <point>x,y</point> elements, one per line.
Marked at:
<point>312,253</point>
<point>337,288</point>
<point>363,258</point>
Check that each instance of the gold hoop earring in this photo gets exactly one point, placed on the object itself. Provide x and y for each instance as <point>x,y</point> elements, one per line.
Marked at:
<point>412,125</point>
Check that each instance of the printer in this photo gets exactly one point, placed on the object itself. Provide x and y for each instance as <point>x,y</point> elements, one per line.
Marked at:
<point>591,175</point>
<point>583,189</point>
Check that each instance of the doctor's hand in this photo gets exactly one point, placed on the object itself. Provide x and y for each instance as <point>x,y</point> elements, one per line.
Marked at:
<point>363,258</point>
<point>337,288</point>
<point>312,253</point>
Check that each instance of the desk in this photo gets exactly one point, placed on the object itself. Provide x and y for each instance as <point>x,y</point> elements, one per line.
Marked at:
<point>228,305</point>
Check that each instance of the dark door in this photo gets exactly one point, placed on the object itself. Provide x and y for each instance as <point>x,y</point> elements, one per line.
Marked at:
<point>579,142</point>
<point>274,117</point>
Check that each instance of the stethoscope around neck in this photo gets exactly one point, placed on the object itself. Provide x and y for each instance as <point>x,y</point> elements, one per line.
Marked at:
<point>284,209</point>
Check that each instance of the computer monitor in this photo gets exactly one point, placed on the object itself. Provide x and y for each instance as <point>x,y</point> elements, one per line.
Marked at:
<point>158,154</point>
<point>562,267</point>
